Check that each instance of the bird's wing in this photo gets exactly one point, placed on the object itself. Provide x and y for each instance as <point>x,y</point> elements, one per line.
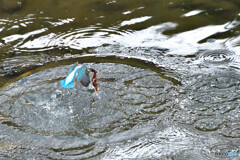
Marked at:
<point>69,85</point>
<point>70,78</point>
<point>81,71</point>
<point>85,80</point>
<point>72,68</point>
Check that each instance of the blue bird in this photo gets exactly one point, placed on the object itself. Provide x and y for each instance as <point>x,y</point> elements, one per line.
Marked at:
<point>78,73</point>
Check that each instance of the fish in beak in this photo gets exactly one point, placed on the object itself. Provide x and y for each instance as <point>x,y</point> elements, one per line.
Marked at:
<point>94,78</point>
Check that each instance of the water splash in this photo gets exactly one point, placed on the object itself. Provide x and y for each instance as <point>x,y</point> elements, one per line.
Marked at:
<point>43,106</point>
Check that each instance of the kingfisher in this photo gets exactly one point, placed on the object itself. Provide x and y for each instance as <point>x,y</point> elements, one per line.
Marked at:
<point>79,73</point>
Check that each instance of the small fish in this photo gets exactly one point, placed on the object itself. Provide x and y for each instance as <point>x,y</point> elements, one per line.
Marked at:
<point>94,78</point>
<point>79,73</point>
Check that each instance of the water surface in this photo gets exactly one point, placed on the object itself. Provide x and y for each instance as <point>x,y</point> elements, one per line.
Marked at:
<point>168,74</point>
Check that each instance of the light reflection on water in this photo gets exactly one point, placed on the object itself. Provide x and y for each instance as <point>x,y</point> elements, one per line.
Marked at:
<point>168,79</point>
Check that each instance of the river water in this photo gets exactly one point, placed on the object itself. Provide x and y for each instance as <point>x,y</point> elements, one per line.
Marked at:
<point>168,77</point>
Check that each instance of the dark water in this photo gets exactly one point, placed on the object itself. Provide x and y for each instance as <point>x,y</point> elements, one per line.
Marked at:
<point>168,76</point>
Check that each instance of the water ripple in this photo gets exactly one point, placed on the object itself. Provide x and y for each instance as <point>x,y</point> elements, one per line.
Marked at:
<point>217,57</point>
<point>208,124</point>
<point>209,102</point>
<point>168,75</point>
<point>158,144</point>
<point>75,148</point>
<point>39,104</point>
<point>220,150</point>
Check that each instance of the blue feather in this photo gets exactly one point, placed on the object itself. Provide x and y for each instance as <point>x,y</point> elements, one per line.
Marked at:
<point>81,71</point>
<point>78,73</point>
<point>69,85</point>
<point>72,68</point>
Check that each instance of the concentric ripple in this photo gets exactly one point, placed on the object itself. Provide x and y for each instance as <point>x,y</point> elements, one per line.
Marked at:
<point>217,57</point>
<point>221,151</point>
<point>209,102</point>
<point>39,104</point>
